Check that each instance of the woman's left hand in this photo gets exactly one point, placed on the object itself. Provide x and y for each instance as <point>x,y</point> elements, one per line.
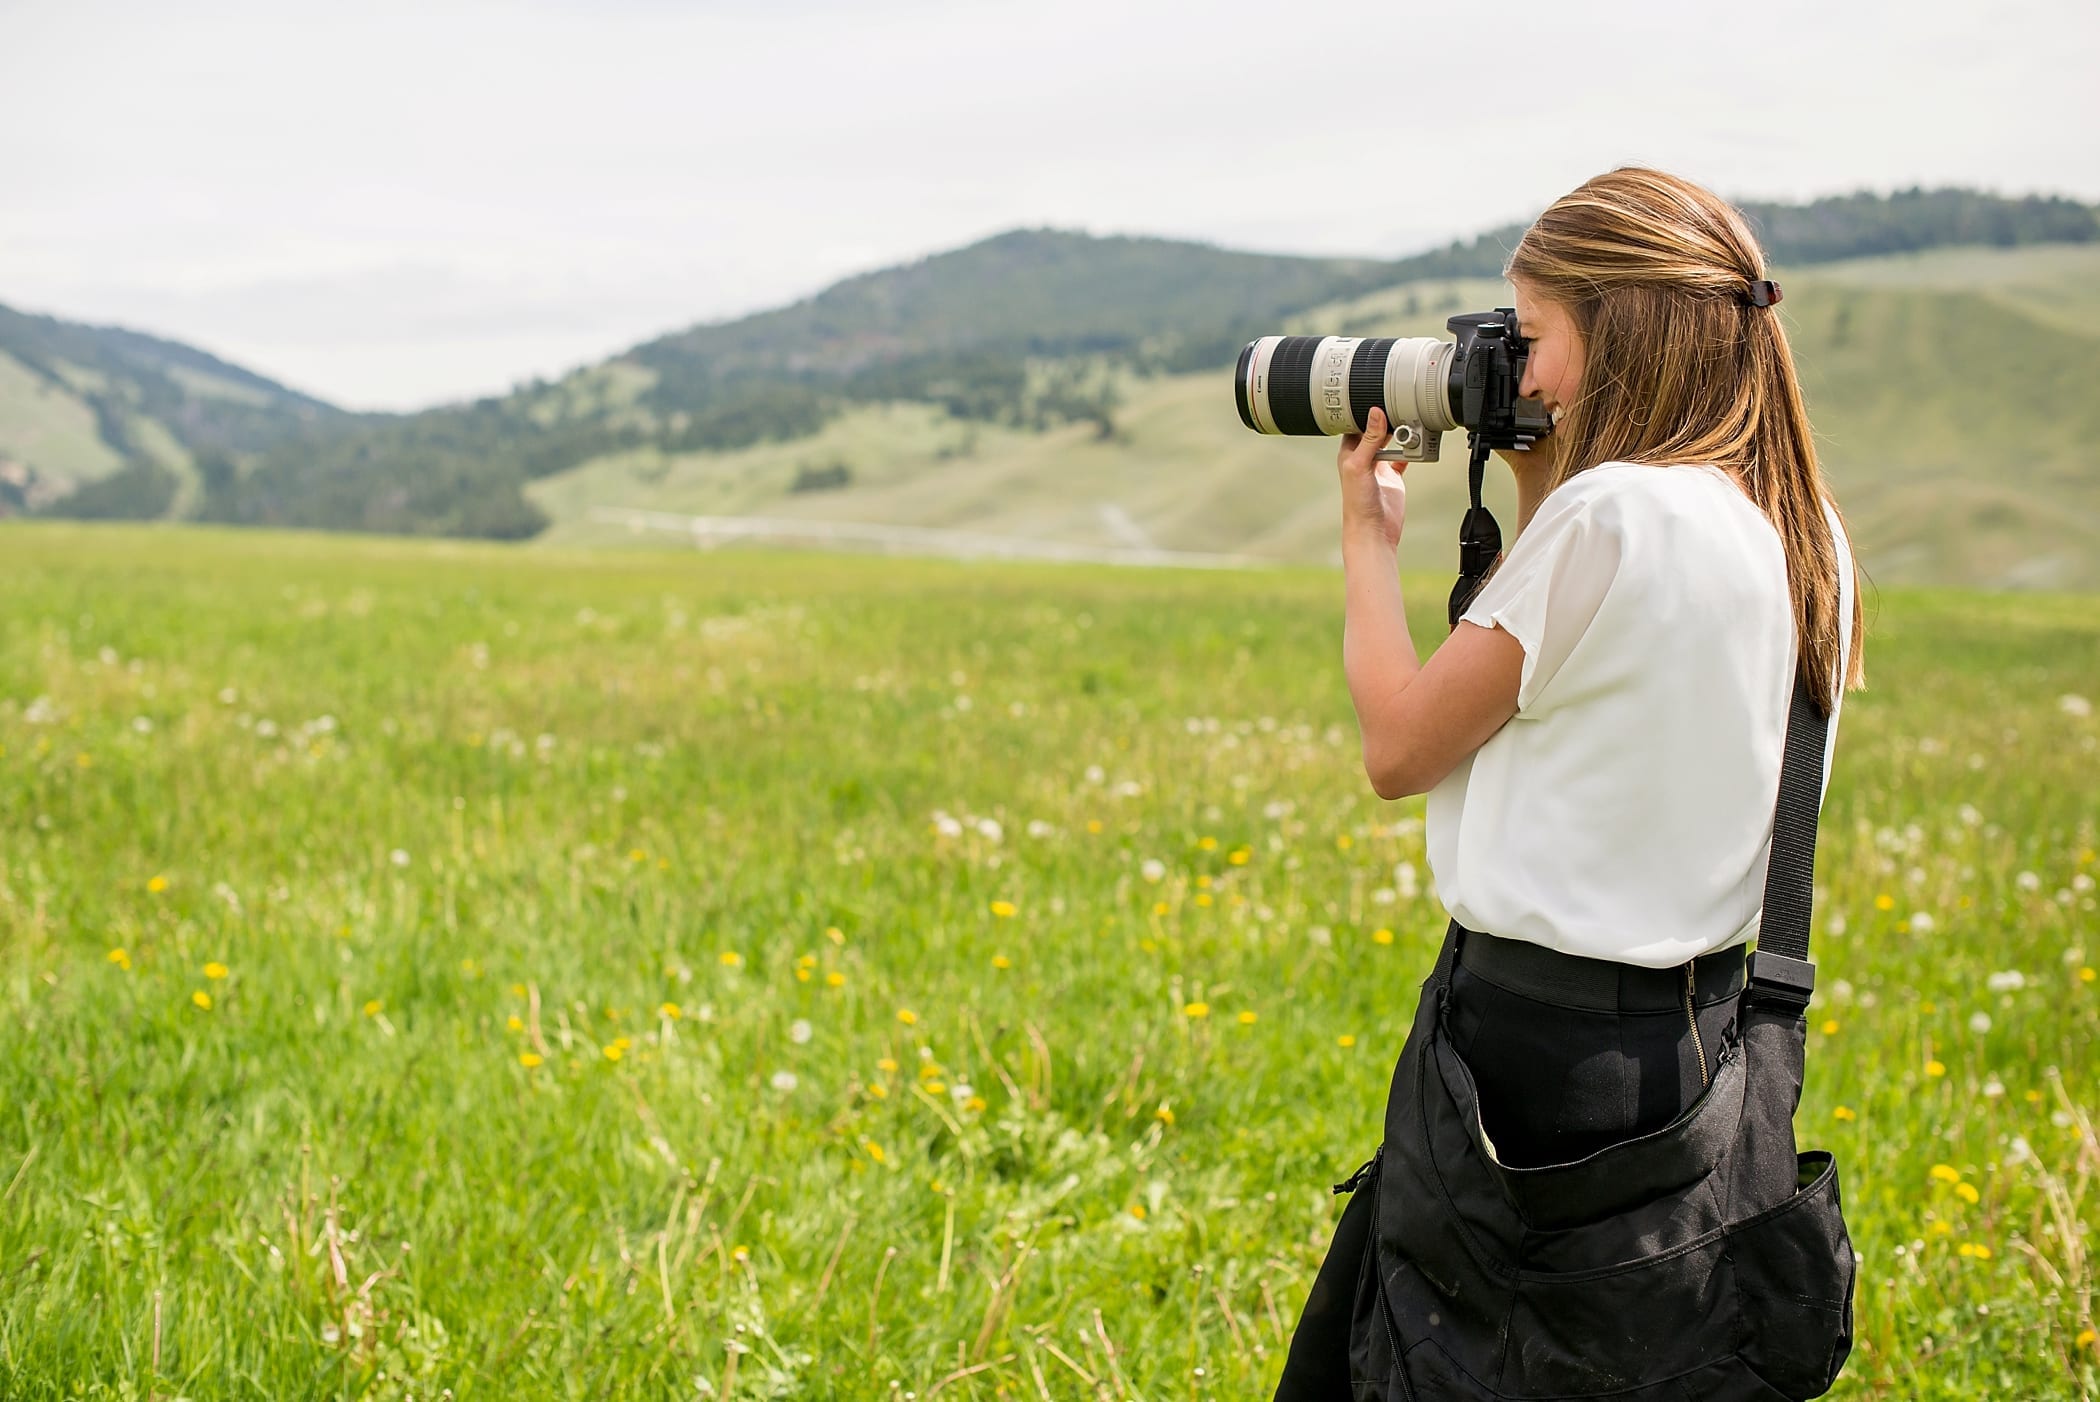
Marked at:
<point>1374,496</point>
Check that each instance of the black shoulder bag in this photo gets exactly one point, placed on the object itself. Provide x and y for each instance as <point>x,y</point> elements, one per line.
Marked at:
<point>1705,1260</point>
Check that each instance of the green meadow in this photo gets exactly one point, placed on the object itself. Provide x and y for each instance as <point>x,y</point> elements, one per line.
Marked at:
<point>452,970</point>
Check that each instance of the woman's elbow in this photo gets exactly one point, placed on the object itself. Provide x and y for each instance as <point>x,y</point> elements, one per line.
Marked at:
<point>1393,775</point>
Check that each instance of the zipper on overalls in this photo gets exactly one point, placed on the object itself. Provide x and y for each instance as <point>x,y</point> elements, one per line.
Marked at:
<point>1692,1020</point>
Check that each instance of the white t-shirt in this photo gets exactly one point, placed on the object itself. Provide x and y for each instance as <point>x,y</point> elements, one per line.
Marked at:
<point>1625,811</point>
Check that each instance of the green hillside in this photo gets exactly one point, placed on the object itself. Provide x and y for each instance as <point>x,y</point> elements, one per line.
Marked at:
<point>1947,390</point>
<point>1063,387</point>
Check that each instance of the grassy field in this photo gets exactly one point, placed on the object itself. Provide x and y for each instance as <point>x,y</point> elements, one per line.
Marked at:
<point>439,970</point>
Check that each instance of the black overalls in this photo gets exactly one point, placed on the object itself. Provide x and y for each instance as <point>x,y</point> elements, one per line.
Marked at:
<point>1703,1260</point>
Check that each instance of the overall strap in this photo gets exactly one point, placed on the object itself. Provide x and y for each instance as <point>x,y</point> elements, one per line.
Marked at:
<point>1781,975</point>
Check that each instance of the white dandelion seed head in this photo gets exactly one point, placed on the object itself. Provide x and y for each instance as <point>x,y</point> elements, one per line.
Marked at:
<point>41,712</point>
<point>2006,981</point>
<point>1153,869</point>
<point>1922,923</point>
<point>962,703</point>
<point>1993,1088</point>
<point>960,1091</point>
<point>266,728</point>
<point>142,724</point>
<point>1836,924</point>
<point>799,1031</point>
<point>1970,815</point>
<point>1095,774</point>
<point>1979,1022</point>
<point>2028,881</point>
<point>785,1081</point>
<point>945,825</point>
<point>2081,883</point>
<point>398,857</point>
<point>1129,788</point>
<point>227,696</point>
<point>1320,935</point>
<point>1841,991</point>
<point>1383,896</point>
<point>1039,829</point>
<point>991,830</point>
<point>2074,705</point>
<point>2019,1151</point>
<point>2075,954</point>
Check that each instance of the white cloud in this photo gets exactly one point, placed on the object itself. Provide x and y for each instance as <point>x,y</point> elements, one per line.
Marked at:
<point>391,204</point>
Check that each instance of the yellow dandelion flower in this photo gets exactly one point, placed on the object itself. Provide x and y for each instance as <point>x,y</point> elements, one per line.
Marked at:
<point>514,1023</point>
<point>1203,899</point>
<point>802,976</point>
<point>835,935</point>
<point>1381,935</point>
<point>1207,844</point>
<point>1941,1229</point>
<point>637,855</point>
<point>874,1151</point>
<point>879,1091</point>
<point>1164,1114</point>
<point>1137,1210</point>
<point>1004,909</point>
<point>1159,907</point>
<point>888,1064</point>
<point>936,1087</point>
<point>1830,1026</point>
<point>2086,975</point>
<point>1093,825</point>
<point>1343,842</point>
<point>1345,1040</point>
<point>805,961</point>
<point>1935,1067</point>
<point>732,960</point>
<point>613,1051</point>
<point>834,979</point>
<point>517,990</point>
<point>739,1253</point>
<point>1000,961</point>
<point>1203,883</point>
<point>215,970</point>
<point>373,1007</point>
<point>1928,1007</point>
<point>1884,901</point>
<point>157,885</point>
<point>201,999</point>
<point>907,1017</point>
<point>2034,1097</point>
<point>1195,1010</point>
<point>670,1010</point>
<point>1249,1017</point>
<point>120,958</point>
<point>1944,1173</point>
<point>1240,856</point>
<point>1975,1250</point>
<point>1843,1112</point>
<point>84,760</point>
<point>975,1105</point>
<point>528,1060</point>
<point>1967,1193</point>
<point>2086,1338</point>
<point>930,1071</point>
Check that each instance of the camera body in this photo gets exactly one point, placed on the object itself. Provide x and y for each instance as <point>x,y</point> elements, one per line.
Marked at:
<point>1303,385</point>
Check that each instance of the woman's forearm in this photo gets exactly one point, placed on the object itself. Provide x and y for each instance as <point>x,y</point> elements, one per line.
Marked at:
<point>1378,653</point>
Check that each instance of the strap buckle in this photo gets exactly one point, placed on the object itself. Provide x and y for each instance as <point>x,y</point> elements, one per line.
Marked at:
<point>1774,980</point>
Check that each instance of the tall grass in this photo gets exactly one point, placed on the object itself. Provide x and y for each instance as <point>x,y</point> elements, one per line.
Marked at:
<point>539,974</point>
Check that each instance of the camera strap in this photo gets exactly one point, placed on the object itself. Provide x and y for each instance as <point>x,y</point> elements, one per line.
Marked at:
<point>1479,536</point>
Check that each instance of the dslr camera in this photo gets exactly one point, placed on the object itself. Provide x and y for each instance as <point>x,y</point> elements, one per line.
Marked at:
<point>1427,387</point>
<point>1330,384</point>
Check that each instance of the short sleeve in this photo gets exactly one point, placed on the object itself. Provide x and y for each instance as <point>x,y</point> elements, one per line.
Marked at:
<point>1552,585</point>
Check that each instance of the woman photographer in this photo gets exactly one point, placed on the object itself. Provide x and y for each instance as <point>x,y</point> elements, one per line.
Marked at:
<point>1601,736</point>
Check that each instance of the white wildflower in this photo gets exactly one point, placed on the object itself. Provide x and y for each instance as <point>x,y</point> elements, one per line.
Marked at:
<point>1993,1088</point>
<point>991,830</point>
<point>2006,981</point>
<point>142,724</point>
<point>2028,881</point>
<point>1095,774</point>
<point>1405,878</point>
<point>1320,935</point>
<point>398,857</point>
<point>2074,705</point>
<point>1970,815</point>
<point>945,825</point>
<point>1922,923</point>
<point>1153,869</point>
<point>1039,829</point>
<point>1979,1023</point>
<point>784,1081</point>
<point>2019,1151</point>
<point>799,1031</point>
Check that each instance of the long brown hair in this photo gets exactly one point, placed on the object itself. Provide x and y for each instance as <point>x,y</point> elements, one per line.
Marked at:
<point>1681,367</point>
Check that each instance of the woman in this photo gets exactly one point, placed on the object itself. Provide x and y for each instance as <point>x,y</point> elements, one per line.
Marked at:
<point>1600,737</point>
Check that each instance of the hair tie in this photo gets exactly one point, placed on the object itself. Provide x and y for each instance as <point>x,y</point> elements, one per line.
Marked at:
<point>1762,292</point>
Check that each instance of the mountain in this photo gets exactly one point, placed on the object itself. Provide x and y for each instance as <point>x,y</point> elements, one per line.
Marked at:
<point>898,395</point>
<point>111,423</point>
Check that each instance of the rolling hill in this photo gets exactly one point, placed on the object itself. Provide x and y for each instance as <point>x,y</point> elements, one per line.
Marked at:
<point>1067,388</point>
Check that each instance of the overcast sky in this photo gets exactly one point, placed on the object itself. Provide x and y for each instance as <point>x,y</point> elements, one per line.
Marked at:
<point>390,205</point>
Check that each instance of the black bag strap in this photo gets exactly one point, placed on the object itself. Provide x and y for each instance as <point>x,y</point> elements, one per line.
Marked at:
<point>1781,974</point>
